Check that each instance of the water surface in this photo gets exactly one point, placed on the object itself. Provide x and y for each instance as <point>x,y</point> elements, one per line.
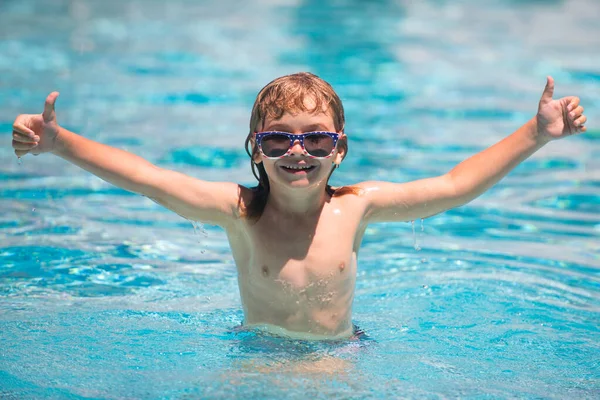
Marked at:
<point>104,294</point>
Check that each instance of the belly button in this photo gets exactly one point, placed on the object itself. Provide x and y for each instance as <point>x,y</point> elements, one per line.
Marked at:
<point>265,271</point>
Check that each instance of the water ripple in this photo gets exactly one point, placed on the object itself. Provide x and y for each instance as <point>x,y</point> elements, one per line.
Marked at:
<point>97,285</point>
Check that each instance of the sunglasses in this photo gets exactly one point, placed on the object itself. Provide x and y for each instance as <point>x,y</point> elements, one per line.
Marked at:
<point>274,144</point>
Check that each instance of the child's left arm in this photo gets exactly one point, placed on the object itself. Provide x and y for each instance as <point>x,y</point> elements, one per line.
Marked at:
<point>420,199</point>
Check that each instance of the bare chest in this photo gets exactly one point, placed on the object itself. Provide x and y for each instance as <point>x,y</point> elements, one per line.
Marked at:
<point>299,254</point>
<point>299,275</point>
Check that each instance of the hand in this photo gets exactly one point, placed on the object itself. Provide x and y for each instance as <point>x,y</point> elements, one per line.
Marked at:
<point>36,133</point>
<point>558,118</point>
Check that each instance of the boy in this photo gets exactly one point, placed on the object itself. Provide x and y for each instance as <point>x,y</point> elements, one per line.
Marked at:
<point>295,240</point>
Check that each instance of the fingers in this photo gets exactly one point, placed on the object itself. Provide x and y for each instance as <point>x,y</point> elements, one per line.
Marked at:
<point>20,129</point>
<point>21,153</point>
<point>548,91</point>
<point>576,116</point>
<point>578,111</point>
<point>23,136</point>
<point>573,103</point>
<point>24,139</point>
<point>23,146</point>
<point>20,138</point>
<point>48,113</point>
<point>580,121</point>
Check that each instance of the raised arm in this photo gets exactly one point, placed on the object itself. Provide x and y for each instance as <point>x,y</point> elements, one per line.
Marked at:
<point>211,202</point>
<point>420,199</point>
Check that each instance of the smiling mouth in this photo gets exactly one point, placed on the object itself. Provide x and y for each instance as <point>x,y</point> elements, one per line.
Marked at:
<point>298,169</point>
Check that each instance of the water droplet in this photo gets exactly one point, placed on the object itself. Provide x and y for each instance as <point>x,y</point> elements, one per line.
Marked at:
<point>199,231</point>
<point>415,242</point>
<point>33,209</point>
<point>421,234</point>
<point>19,160</point>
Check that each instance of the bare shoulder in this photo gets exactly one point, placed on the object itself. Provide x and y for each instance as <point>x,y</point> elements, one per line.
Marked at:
<point>350,197</point>
<point>369,186</point>
<point>372,190</point>
<point>235,198</point>
<point>384,201</point>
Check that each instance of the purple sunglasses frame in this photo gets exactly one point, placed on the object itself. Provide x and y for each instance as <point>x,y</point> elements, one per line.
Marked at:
<point>260,135</point>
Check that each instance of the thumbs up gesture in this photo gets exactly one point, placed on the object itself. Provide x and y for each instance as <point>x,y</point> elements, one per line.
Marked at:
<point>36,133</point>
<point>559,118</point>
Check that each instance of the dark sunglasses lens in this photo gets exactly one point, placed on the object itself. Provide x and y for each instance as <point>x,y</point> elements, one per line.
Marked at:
<point>318,145</point>
<point>275,145</point>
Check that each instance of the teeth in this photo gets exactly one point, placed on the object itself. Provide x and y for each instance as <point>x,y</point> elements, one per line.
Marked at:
<point>297,166</point>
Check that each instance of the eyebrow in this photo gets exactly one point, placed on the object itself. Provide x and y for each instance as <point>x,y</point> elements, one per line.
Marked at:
<point>287,128</point>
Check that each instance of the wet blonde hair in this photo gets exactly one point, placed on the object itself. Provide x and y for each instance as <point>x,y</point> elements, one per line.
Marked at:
<point>287,94</point>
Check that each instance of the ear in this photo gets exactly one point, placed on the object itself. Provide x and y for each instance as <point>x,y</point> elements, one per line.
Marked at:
<point>341,150</point>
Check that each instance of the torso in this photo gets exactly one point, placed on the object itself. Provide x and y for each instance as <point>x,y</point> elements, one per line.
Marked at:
<point>300,274</point>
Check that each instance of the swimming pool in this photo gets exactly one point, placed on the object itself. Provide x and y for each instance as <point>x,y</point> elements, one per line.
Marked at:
<point>106,295</point>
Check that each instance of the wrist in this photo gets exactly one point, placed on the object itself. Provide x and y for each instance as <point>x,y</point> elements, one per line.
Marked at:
<point>538,134</point>
<point>58,144</point>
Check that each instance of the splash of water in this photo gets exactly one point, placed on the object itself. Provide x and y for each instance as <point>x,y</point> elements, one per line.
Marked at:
<point>199,231</point>
<point>419,239</point>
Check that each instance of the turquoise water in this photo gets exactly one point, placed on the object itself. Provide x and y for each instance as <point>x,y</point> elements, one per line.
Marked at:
<point>104,294</point>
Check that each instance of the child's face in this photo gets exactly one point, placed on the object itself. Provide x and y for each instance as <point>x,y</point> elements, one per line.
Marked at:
<point>297,169</point>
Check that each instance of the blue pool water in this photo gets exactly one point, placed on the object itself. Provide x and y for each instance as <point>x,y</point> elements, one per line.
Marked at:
<point>104,294</point>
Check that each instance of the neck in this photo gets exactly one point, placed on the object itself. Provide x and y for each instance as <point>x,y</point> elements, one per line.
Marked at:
<point>298,201</point>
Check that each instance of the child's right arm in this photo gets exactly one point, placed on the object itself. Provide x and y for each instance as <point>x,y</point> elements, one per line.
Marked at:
<point>211,202</point>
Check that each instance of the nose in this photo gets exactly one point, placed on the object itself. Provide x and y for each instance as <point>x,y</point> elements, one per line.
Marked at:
<point>296,148</point>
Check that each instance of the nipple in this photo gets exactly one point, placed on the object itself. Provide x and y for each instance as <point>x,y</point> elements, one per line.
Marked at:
<point>342,266</point>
